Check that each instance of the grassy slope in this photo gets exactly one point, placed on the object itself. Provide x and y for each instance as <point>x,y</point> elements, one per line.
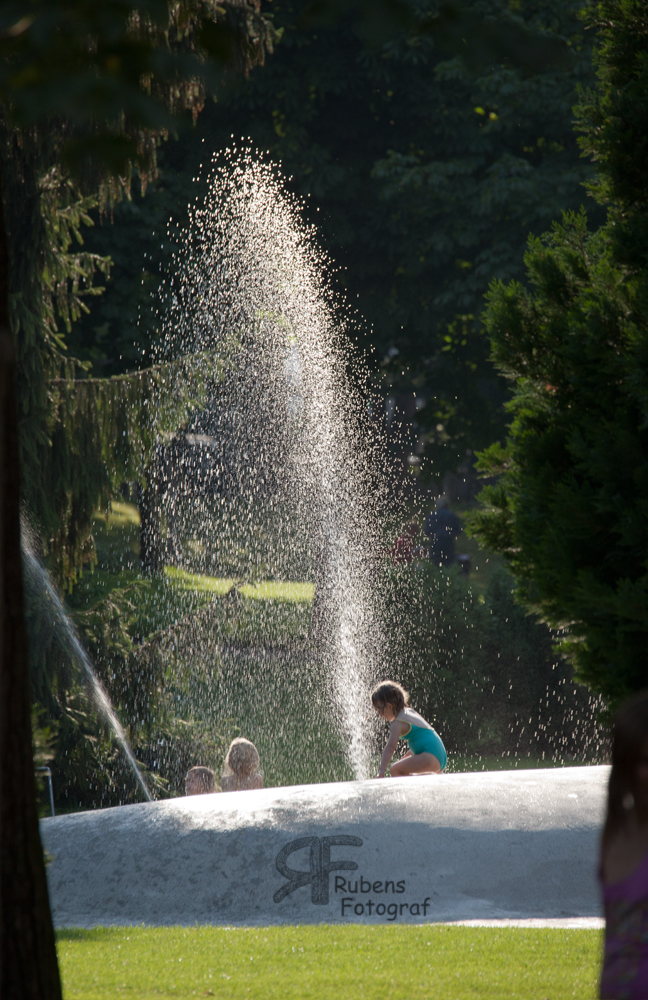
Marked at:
<point>270,609</point>
<point>448,963</point>
<point>261,671</point>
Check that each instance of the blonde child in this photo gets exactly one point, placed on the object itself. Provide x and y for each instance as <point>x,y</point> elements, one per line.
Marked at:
<point>426,754</point>
<point>241,771</point>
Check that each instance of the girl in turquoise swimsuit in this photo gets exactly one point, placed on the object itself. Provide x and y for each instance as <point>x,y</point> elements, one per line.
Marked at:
<point>426,754</point>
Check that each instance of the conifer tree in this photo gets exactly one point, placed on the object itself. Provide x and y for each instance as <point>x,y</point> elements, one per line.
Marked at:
<point>569,510</point>
<point>68,145</point>
<point>71,99</point>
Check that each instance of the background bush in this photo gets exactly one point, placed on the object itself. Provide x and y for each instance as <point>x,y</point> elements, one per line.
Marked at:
<point>484,671</point>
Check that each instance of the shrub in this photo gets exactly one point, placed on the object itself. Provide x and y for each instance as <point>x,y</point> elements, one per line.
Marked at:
<point>485,671</point>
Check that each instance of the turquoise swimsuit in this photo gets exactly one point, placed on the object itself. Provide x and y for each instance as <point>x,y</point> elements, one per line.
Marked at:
<point>422,740</point>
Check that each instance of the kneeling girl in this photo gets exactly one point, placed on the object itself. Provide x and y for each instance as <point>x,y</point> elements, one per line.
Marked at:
<point>426,754</point>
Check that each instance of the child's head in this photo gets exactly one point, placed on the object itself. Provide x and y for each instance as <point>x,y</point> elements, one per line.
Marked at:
<point>200,781</point>
<point>629,775</point>
<point>242,758</point>
<point>411,529</point>
<point>389,693</point>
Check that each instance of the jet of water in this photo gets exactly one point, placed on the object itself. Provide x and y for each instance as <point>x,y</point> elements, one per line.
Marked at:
<point>287,426</point>
<point>73,643</point>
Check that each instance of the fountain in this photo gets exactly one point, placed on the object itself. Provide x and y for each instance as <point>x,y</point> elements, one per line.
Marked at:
<point>291,450</point>
<point>275,481</point>
<point>38,575</point>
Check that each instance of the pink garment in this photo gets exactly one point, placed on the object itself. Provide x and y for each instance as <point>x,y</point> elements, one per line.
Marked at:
<point>625,964</point>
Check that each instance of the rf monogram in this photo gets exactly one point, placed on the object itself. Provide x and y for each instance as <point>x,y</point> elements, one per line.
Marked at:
<point>320,866</point>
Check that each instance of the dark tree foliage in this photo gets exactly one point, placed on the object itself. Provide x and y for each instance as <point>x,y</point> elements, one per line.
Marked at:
<point>424,172</point>
<point>88,91</point>
<point>569,511</point>
<point>109,79</point>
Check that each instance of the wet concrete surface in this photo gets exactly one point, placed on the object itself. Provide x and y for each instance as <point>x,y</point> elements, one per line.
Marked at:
<point>504,845</point>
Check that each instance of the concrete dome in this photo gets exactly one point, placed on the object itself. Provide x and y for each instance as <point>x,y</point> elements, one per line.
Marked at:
<point>505,844</point>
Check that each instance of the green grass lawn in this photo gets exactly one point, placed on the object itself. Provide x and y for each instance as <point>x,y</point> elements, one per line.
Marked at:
<point>433,961</point>
<point>198,582</point>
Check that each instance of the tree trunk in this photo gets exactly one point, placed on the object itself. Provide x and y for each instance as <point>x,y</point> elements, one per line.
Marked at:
<point>28,962</point>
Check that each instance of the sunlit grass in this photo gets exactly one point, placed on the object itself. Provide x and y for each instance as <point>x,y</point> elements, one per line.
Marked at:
<point>270,590</point>
<point>309,963</point>
<point>116,535</point>
<point>268,611</point>
<point>197,582</point>
<point>266,590</point>
<point>120,514</point>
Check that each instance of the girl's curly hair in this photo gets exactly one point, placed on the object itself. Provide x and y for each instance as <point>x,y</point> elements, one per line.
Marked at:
<point>242,758</point>
<point>389,693</point>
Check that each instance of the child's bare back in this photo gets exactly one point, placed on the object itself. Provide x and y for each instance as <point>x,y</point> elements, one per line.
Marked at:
<point>230,783</point>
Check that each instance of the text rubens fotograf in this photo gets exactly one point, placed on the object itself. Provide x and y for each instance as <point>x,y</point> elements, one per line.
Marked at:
<point>358,896</point>
<point>354,899</point>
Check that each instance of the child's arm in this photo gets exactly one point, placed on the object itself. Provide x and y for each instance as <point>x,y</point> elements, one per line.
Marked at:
<point>395,732</point>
